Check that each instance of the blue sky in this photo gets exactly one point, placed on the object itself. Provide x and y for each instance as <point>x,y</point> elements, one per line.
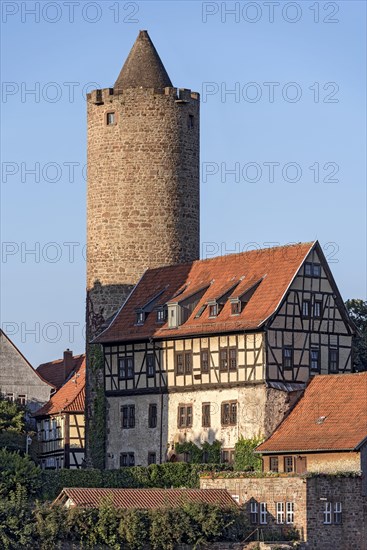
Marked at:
<point>298,81</point>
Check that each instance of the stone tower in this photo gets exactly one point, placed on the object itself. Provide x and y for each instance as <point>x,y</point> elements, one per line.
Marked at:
<point>143,187</point>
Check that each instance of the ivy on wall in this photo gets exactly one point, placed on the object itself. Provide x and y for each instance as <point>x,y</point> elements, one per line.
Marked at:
<point>208,453</point>
<point>97,419</point>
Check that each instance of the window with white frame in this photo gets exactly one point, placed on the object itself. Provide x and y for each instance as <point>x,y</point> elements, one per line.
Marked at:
<point>263,513</point>
<point>333,513</point>
<point>337,512</point>
<point>22,399</point>
<point>253,512</point>
<point>327,513</point>
<point>290,512</point>
<point>280,512</point>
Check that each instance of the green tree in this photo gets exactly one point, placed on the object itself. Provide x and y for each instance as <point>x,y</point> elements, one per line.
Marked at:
<point>11,417</point>
<point>244,457</point>
<point>12,426</point>
<point>357,310</point>
<point>18,470</point>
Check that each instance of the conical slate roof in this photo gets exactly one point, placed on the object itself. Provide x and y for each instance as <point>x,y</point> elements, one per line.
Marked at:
<point>143,68</point>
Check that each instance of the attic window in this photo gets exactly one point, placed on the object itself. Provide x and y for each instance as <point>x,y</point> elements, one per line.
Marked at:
<point>235,307</point>
<point>200,311</point>
<point>213,310</point>
<point>111,119</point>
<point>140,317</point>
<point>312,270</point>
<point>161,315</point>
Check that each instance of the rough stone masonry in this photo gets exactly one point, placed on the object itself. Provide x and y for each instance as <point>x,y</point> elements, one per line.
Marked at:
<point>143,187</point>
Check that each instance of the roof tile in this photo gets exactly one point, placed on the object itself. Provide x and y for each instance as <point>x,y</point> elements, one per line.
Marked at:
<point>274,267</point>
<point>331,415</point>
<point>70,397</point>
<point>55,372</point>
<point>146,499</point>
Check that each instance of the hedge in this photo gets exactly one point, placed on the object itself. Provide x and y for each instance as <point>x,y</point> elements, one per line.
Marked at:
<point>49,528</point>
<point>179,474</point>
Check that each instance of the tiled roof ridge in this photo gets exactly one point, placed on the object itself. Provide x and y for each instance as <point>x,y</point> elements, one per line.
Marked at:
<point>52,406</point>
<point>56,361</point>
<point>225,256</point>
<point>145,498</point>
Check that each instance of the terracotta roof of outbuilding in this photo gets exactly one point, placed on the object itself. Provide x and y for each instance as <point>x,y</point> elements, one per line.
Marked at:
<point>331,415</point>
<point>56,373</point>
<point>274,268</point>
<point>143,68</point>
<point>70,397</point>
<point>145,499</point>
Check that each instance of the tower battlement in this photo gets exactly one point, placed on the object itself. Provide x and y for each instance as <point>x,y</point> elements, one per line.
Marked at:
<point>105,95</point>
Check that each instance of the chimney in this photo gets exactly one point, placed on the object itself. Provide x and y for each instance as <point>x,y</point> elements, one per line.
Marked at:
<point>68,362</point>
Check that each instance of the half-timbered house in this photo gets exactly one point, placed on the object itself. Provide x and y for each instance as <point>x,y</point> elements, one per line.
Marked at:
<point>217,349</point>
<point>61,422</point>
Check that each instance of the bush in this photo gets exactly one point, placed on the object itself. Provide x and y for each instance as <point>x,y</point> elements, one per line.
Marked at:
<point>168,528</point>
<point>134,528</point>
<point>16,528</point>
<point>50,527</point>
<point>244,457</point>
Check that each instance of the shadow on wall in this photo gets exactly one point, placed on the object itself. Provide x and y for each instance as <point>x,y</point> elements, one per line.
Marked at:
<point>207,436</point>
<point>103,302</point>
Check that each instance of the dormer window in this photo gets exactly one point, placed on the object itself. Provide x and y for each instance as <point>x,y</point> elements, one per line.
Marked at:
<point>213,310</point>
<point>235,307</point>
<point>140,317</point>
<point>161,315</point>
<point>200,311</point>
<point>173,315</point>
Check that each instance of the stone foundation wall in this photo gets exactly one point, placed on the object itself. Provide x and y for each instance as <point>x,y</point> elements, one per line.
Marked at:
<point>310,496</point>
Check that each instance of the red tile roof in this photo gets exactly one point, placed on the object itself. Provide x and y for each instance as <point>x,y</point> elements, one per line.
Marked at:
<point>331,415</point>
<point>70,397</point>
<point>56,372</point>
<point>145,499</point>
<point>274,267</point>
